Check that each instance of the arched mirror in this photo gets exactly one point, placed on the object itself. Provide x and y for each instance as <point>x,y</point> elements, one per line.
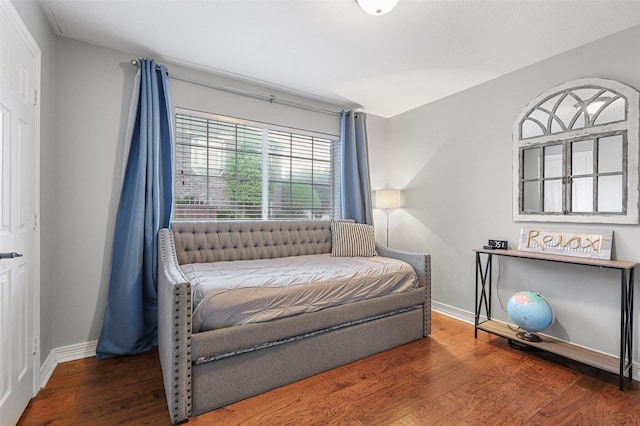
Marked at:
<point>575,154</point>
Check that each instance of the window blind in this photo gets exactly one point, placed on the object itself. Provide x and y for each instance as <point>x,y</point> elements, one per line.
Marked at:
<point>237,169</point>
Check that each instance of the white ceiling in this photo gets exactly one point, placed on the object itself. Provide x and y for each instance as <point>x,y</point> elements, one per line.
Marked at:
<point>421,51</point>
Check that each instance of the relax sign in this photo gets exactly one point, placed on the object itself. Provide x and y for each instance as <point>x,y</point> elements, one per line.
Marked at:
<point>591,244</point>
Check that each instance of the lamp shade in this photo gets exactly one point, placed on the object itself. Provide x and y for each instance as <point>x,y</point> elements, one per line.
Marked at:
<point>377,7</point>
<point>388,199</point>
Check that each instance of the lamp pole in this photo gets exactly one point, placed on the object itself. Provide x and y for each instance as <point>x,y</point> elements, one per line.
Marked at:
<point>387,211</point>
<point>388,200</point>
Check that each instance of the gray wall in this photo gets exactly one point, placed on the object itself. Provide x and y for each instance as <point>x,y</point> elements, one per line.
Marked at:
<point>378,165</point>
<point>93,91</point>
<point>453,158</point>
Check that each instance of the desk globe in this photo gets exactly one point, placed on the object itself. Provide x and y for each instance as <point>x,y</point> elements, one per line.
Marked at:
<point>531,312</point>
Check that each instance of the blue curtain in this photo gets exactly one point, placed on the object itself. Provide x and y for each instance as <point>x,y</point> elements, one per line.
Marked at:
<point>130,321</point>
<point>356,185</point>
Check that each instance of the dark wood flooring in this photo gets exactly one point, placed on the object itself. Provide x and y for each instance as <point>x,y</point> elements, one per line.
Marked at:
<point>449,378</point>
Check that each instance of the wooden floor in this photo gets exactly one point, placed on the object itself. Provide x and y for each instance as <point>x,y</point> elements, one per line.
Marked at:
<point>449,378</point>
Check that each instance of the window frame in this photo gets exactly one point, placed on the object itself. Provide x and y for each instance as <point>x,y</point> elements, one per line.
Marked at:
<point>334,186</point>
<point>630,156</point>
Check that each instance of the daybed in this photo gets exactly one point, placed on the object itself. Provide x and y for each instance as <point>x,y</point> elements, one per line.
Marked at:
<point>210,368</point>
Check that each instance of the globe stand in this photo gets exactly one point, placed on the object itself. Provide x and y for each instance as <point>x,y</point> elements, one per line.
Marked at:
<point>529,337</point>
<point>521,346</point>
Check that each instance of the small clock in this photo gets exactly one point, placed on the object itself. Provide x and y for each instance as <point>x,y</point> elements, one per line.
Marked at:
<point>499,244</point>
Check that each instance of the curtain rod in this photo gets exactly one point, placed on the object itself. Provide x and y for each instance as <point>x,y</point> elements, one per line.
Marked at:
<point>270,98</point>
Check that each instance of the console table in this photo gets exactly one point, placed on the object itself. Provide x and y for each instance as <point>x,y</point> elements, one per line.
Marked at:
<point>617,365</point>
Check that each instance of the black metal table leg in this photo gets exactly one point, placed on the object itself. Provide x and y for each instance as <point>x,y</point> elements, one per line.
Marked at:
<point>630,341</point>
<point>626,325</point>
<point>483,288</point>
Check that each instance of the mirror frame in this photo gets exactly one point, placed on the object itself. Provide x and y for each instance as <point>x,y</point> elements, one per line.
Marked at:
<point>632,128</point>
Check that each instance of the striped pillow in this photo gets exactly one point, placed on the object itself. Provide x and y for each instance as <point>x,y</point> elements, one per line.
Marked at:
<point>352,239</point>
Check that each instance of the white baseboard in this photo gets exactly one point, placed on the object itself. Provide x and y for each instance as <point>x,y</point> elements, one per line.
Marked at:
<point>453,312</point>
<point>64,354</point>
<point>469,317</point>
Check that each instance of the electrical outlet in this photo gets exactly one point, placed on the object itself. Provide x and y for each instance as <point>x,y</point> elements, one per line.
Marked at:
<point>499,244</point>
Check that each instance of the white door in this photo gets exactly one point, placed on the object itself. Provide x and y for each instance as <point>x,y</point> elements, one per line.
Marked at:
<point>19,239</point>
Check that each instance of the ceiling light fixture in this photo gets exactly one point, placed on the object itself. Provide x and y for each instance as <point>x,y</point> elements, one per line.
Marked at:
<point>377,7</point>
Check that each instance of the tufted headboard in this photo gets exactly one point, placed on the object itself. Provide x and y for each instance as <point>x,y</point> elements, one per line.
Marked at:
<point>198,242</point>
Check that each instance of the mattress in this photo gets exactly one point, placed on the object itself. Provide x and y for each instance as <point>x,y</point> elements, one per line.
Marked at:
<point>247,291</point>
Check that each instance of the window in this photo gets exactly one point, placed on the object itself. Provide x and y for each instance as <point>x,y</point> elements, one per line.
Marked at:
<point>228,168</point>
<point>575,154</point>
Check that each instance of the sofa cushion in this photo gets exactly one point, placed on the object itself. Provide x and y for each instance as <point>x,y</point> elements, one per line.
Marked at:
<point>352,239</point>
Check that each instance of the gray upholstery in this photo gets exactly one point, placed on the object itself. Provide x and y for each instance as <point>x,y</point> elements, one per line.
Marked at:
<point>250,374</point>
<point>422,265</point>
<point>198,242</point>
<point>235,338</point>
<point>253,358</point>
<point>174,329</point>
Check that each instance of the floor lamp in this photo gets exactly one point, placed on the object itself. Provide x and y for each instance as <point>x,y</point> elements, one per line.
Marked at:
<point>388,199</point>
